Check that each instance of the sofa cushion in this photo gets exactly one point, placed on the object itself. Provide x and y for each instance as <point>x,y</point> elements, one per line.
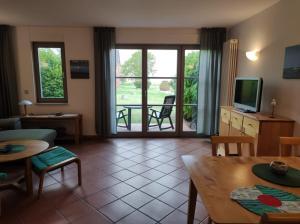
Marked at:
<point>50,158</point>
<point>47,135</point>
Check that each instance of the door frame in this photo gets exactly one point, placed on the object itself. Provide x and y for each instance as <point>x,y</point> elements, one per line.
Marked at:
<point>179,90</point>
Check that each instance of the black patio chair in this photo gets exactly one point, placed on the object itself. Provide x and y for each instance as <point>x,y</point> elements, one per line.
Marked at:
<point>164,113</point>
<point>120,115</point>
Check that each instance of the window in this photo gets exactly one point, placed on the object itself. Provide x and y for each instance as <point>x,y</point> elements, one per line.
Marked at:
<point>50,72</point>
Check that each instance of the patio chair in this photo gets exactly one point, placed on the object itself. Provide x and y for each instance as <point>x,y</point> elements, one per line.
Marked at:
<point>52,159</point>
<point>164,113</point>
<point>120,115</point>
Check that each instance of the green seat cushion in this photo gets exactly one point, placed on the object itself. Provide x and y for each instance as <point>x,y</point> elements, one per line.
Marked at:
<point>50,158</point>
<point>3,176</point>
<point>47,135</point>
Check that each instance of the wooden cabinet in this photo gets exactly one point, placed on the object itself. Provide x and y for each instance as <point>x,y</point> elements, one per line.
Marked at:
<point>264,129</point>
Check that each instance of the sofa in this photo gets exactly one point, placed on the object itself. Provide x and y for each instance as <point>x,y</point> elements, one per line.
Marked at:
<point>11,129</point>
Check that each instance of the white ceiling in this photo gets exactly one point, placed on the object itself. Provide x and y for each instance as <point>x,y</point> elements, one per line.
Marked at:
<point>130,13</point>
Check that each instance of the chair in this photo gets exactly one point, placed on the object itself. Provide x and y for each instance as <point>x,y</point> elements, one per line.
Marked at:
<point>280,218</point>
<point>52,159</point>
<point>238,140</point>
<point>287,144</point>
<point>120,115</point>
<point>164,113</point>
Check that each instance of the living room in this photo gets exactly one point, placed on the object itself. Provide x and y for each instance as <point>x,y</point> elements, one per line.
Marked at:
<point>121,107</point>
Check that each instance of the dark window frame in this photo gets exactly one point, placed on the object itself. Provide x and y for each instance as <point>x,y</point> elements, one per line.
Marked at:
<point>35,47</point>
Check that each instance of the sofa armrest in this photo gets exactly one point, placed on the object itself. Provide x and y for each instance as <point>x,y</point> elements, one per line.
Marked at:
<point>10,123</point>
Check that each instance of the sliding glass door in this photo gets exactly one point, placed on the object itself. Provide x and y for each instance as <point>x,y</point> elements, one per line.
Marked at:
<point>162,75</point>
<point>129,90</point>
<point>156,90</point>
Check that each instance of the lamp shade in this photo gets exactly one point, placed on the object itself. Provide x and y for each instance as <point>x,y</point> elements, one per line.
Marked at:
<point>25,102</point>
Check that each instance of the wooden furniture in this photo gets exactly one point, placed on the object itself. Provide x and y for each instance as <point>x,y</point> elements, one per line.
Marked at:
<point>76,119</point>
<point>63,158</point>
<point>238,140</point>
<point>280,218</point>
<point>264,129</point>
<point>287,144</point>
<point>214,178</point>
<point>32,147</point>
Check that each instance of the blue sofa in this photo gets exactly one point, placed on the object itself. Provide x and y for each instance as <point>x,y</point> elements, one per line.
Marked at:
<point>11,129</point>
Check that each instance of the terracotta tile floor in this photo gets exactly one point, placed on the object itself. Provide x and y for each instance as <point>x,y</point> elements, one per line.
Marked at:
<point>134,181</point>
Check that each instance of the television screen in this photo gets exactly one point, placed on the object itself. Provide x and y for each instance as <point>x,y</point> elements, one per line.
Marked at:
<point>246,92</point>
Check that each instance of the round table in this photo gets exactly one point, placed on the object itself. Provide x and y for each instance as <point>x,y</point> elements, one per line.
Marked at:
<point>32,147</point>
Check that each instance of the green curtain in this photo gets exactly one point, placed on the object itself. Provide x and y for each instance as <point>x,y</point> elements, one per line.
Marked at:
<point>211,46</point>
<point>8,81</point>
<point>105,69</point>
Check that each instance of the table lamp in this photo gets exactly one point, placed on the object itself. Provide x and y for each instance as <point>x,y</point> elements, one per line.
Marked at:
<point>25,103</point>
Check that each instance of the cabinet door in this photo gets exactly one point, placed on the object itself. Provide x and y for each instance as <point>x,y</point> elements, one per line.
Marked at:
<point>224,122</point>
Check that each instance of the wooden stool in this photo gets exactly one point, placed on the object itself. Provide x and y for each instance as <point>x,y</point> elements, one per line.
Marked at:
<point>54,158</point>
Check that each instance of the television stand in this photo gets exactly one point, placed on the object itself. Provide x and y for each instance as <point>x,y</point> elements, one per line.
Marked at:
<point>264,129</point>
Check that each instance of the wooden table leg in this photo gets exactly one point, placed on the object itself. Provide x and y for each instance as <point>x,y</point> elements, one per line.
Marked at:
<point>28,176</point>
<point>192,202</point>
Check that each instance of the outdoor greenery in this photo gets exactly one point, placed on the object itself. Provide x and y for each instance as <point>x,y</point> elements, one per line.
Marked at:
<point>51,73</point>
<point>133,66</point>
<point>191,71</point>
<point>129,92</point>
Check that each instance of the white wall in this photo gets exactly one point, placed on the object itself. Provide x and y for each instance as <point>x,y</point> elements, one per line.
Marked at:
<point>79,45</point>
<point>271,31</point>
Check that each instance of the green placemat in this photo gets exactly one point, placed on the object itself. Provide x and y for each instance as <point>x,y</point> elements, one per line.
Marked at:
<point>291,179</point>
<point>14,149</point>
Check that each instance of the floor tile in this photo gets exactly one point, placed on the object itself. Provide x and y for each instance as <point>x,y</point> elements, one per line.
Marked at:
<point>181,174</point>
<point>200,212</point>
<point>165,168</point>
<point>95,218</point>
<point>151,163</point>
<point>123,175</point>
<point>163,158</point>
<point>139,168</point>
<point>116,210</point>
<point>183,188</point>
<point>126,163</point>
<point>118,176</point>
<point>137,199</point>
<point>153,174</point>
<point>138,181</point>
<point>156,210</point>
<point>121,189</point>
<point>136,218</point>
<point>173,198</point>
<point>100,199</point>
<point>176,217</point>
<point>154,189</point>
<point>76,210</point>
<point>169,181</point>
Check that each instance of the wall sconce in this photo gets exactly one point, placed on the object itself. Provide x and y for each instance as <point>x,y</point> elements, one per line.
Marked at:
<point>252,55</point>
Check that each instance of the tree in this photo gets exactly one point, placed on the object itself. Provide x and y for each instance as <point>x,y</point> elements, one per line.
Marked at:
<point>51,73</point>
<point>133,67</point>
<point>191,70</point>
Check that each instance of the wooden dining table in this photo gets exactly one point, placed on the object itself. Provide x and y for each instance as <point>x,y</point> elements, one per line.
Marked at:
<point>214,178</point>
<point>32,147</point>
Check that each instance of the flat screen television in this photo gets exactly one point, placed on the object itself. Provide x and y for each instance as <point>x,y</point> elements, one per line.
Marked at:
<point>247,94</point>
